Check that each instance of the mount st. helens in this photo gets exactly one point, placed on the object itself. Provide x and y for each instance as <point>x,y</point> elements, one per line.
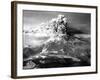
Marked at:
<point>55,44</point>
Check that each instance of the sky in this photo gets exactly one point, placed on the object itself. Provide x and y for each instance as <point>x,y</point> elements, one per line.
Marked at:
<point>32,19</point>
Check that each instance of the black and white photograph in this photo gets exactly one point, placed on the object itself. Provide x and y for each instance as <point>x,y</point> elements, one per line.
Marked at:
<point>53,39</point>
<point>56,39</point>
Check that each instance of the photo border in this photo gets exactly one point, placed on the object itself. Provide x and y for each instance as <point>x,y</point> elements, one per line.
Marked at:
<point>14,37</point>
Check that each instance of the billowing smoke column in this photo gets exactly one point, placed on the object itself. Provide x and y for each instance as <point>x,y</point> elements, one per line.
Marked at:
<point>53,27</point>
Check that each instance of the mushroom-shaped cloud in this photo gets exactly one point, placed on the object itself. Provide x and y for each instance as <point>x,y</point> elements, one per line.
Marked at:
<point>61,16</point>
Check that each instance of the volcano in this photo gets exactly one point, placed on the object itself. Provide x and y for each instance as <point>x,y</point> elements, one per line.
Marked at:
<point>62,49</point>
